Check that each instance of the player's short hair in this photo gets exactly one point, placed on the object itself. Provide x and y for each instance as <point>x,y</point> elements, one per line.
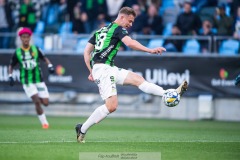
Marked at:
<point>128,11</point>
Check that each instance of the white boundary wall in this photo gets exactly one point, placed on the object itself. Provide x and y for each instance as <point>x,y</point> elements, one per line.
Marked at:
<point>138,106</point>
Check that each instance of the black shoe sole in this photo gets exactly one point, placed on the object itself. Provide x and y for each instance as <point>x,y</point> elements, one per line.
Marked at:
<point>78,129</point>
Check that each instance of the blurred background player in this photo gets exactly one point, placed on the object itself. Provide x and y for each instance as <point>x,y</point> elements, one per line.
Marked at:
<point>105,44</point>
<point>27,56</point>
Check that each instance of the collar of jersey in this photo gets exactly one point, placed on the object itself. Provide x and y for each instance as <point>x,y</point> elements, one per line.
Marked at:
<point>26,49</point>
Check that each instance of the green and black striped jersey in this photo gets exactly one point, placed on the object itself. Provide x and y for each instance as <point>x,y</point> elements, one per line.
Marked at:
<point>107,42</point>
<point>30,72</point>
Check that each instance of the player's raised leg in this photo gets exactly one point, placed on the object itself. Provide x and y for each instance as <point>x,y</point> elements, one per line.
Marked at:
<point>150,88</point>
<point>145,86</point>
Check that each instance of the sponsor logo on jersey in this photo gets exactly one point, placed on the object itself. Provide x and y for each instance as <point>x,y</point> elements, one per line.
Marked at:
<point>124,31</point>
<point>107,51</point>
<point>40,88</point>
<point>33,54</point>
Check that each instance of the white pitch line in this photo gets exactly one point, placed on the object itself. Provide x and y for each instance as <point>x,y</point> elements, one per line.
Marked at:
<point>36,142</point>
<point>43,142</point>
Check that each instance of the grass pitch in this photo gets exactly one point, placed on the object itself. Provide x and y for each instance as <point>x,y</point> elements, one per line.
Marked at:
<point>21,138</point>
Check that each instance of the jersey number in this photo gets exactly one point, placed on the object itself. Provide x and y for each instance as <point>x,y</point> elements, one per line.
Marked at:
<point>100,40</point>
<point>29,64</point>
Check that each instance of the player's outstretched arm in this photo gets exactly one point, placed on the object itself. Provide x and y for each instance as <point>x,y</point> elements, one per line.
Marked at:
<point>51,69</point>
<point>87,57</point>
<point>128,41</point>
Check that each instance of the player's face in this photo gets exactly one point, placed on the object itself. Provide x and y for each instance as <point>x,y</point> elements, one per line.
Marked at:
<point>25,38</point>
<point>127,21</point>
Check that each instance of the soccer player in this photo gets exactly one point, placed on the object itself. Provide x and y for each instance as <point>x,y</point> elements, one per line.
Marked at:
<point>28,57</point>
<point>237,80</point>
<point>99,56</point>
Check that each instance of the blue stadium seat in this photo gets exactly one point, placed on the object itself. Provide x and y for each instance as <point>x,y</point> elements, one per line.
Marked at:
<point>229,47</point>
<point>168,29</point>
<point>39,27</point>
<point>153,43</point>
<point>37,38</point>
<point>191,46</point>
<point>38,41</point>
<point>52,16</point>
<point>66,28</point>
<point>81,45</point>
<point>166,4</point>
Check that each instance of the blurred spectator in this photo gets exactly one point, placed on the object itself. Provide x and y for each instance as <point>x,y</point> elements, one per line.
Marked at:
<point>237,24</point>
<point>94,12</point>
<point>153,22</point>
<point>174,45</point>
<point>222,22</point>
<point>129,3</point>
<point>199,4</point>
<point>188,22</point>
<point>113,8</point>
<point>44,7</point>
<point>71,6</point>
<point>6,23</point>
<point>27,15</point>
<point>143,5</point>
<point>234,4</point>
<point>206,31</point>
<point>54,14</point>
<point>138,22</point>
<point>78,26</point>
<point>156,3</point>
<point>180,3</point>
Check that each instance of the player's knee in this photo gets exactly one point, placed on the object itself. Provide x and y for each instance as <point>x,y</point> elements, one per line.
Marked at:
<point>45,102</point>
<point>112,107</point>
<point>111,103</point>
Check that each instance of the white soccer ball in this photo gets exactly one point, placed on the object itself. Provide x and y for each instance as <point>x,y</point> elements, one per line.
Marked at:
<point>171,98</point>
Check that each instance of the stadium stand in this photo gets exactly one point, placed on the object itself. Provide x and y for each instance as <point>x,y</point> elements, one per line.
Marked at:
<point>191,47</point>
<point>81,45</point>
<point>153,43</point>
<point>229,47</point>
